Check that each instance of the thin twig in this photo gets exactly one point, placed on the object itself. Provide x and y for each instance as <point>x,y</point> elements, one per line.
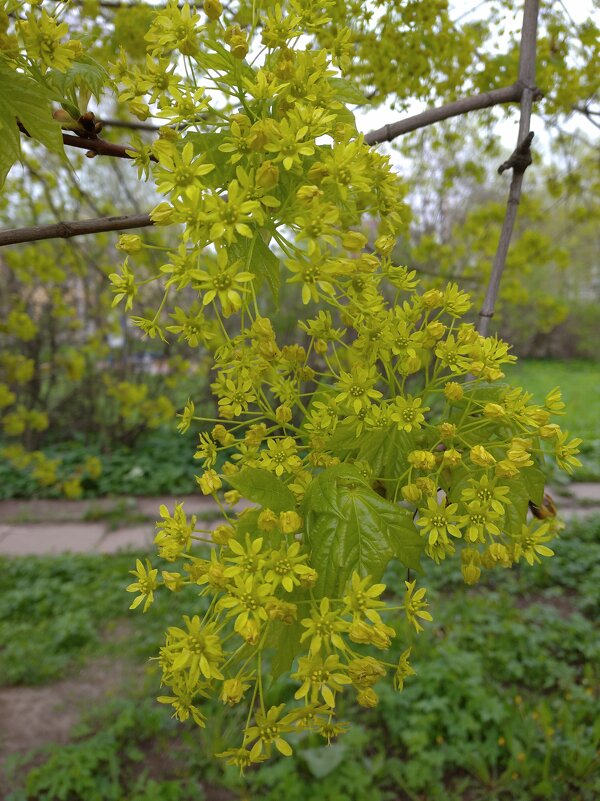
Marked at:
<point>134,125</point>
<point>65,230</point>
<point>519,161</point>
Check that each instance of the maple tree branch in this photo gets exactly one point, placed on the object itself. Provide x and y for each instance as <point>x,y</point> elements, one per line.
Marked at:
<point>518,162</point>
<point>93,144</point>
<point>65,230</point>
<point>495,97</point>
<point>506,94</point>
<point>100,146</point>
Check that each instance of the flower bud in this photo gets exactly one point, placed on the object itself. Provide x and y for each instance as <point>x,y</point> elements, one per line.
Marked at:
<point>209,482</point>
<point>233,689</point>
<point>290,522</point>
<point>506,469</point>
<point>422,460</point>
<point>432,299</point>
<point>435,329</point>
<point>281,610</point>
<point>232,497</point>
<point>426,485</point>
<point>447,430</point>
<point>385,244</point>
<point>267,520</point>
<point>493,410</point>
<point>411,493</point>
<point>213,9</point>
<point>367,698</point>
<point>453,392</point>
<point>452,457</point>
<point>283,414</point>
<point>471,573</point>
<point>223,534</point>
<point>129,243</point>
<point>172,581</point>
<point>267,175</point>
<point>309,578</point>
<point>481,457</point>
<point>354,240</point>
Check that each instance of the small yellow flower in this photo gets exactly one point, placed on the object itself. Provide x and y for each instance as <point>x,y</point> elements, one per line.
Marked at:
<point>415,605</point>
<point>209,482</point>
<point>146,584</point>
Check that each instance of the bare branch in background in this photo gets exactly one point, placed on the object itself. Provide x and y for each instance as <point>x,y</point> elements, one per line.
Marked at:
<point>518,162</point>
<point>133,125</point>
<point>507,94</point>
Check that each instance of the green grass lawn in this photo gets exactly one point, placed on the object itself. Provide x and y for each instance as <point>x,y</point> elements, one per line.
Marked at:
<point>580,385</point>
<point>505,705</point>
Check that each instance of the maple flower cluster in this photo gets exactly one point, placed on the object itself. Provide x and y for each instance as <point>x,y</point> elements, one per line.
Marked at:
<point>383,432</point>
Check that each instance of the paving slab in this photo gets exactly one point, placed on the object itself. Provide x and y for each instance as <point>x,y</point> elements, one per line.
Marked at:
<point>192,504</point>
<point>585,491</point>
<point>134,538</point>
<point>40,538</point>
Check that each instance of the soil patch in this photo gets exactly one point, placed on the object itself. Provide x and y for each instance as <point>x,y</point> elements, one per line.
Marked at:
<point>31,717</point>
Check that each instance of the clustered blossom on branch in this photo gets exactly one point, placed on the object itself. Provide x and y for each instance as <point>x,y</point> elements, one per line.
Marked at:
<point>383,433</point>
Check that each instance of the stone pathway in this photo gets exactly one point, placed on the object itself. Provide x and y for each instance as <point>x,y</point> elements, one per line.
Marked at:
<point>101,526</point>
<point>109,525</point>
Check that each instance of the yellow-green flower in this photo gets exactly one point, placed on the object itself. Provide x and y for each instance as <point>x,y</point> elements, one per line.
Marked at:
<point>324,628</point>
<point>404,670</point>
<point>286,566</point>
<point>223,281</point>
<point>439,520</point>
<point>565,451</point>
<point>268,730</point>
<point>480,520</point>
<point>176,171</point>
<point>415,605</point>
<point>280,456</point>
<point>486,491</point>
<point>408,413</point>
<point>357,387</point>
<point>320,677</point>
<point>363,598</point>
<point>530,542</point>
<point>146,584</point>
<point>197,650</point>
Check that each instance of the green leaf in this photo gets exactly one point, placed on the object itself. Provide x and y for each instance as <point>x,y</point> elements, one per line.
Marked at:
<point>534,481</point>
<point>265,263</point>
<point>284,638</point>
<point>286,645</point>
<point>323,761</point>
<point>346,91</point>
<point>84,73</point>
<point>262,487</point>
<point>516,511</point>
<point>354,529</point>
<point>24,100</point>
